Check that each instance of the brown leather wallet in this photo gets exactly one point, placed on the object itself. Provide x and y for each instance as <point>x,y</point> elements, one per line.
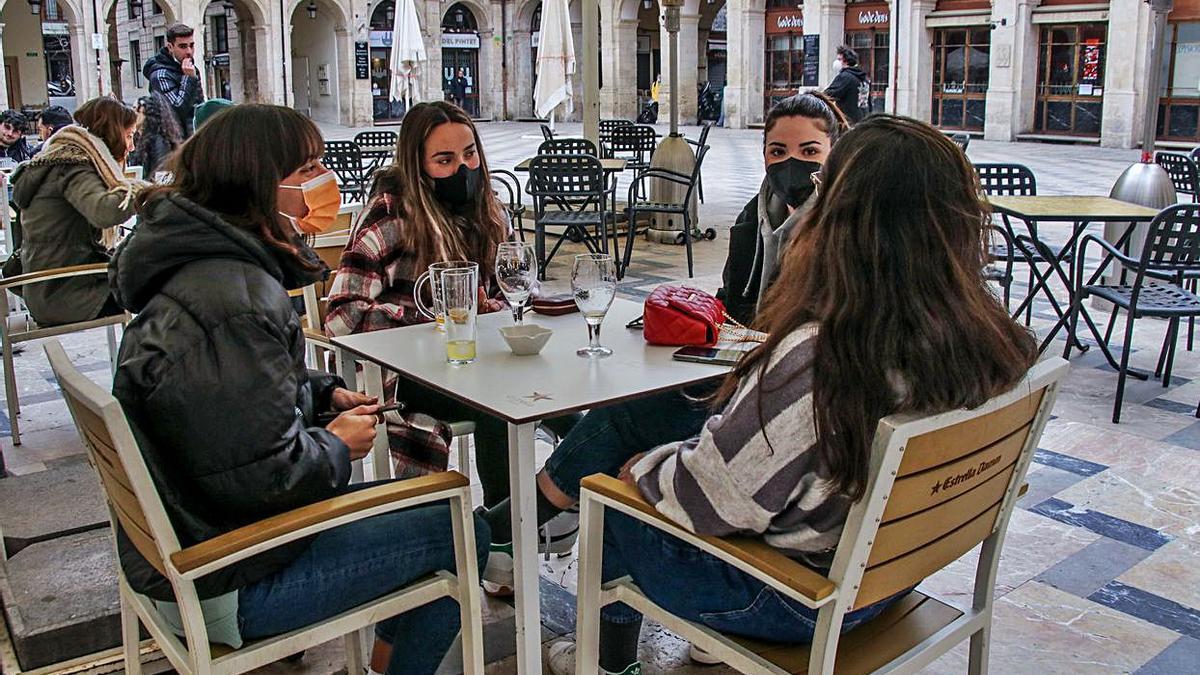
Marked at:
<point>554,305</point>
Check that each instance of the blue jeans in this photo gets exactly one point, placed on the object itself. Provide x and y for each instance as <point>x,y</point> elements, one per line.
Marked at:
<point>607,437</point>
<point>356,563</point>
<point>669,572</point>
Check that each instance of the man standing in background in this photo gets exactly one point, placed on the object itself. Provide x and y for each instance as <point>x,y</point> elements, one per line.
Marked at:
<point>172,73</point>
<point>850,87</point>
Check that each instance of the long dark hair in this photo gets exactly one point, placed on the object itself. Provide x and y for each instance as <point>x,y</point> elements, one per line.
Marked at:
<point>107,119</point>
<point>234,164</point>
<point>404,192</point>
<point>158,121</point>
<point>888,264</point>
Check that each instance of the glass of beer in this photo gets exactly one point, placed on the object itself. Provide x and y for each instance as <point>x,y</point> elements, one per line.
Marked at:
<point>460,301</point>
<point>433,277</point>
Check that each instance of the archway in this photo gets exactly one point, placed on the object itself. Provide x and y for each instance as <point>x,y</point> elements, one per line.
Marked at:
<point>712,50</point>
<point>462,76</point>
<point>44,59</point>
<point>234,42</point>
<point>318,45</point>
<point>135,32</point>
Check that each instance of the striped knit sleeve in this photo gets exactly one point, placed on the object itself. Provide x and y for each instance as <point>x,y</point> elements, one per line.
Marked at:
<point>367,294</point>
<point>749,463</point>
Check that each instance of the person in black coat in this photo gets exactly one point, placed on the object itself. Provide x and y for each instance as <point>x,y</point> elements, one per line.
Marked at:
<point>211,376</point>
<point>172,73</point>
<point>850,87</point>
<point>158,136</point>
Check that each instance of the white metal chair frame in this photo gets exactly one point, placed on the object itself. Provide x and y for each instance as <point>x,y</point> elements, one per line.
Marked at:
<point>10,337</point>
<point>838,593</point>
<point>134,502</point>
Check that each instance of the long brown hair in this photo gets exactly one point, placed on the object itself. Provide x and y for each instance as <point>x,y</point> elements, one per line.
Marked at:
<point>108,119</point>
<point>888,264</point>
<point>234,164</point>
<point>404,192</point>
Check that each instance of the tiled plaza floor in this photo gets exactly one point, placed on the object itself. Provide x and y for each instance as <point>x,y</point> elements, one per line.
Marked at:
<point>1101,568</point>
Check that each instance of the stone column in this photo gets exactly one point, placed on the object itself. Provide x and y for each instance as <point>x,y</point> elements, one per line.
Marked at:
<point>1126,71</point>
<point>826,18</point>
<point>689,31</point>
<point>268,66</point>
<point>432,80</point>
<point>618,96</point>
<point>746,28</point>
<point>489,80</point>
<point>5,104</point>
<point>1012,74</point>
<point>914,60</point>
<point>520,74</point>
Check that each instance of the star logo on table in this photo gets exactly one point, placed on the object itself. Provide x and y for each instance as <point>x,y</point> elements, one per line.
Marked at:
<point>537,396</point>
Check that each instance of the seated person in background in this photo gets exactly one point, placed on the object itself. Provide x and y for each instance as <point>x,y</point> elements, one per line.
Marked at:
<point>72,196</point>
<point>49,121</point>
<point>433,204</point>
<point>158,136</point>
<point>13,144</point>
<point>880,308</point>
<point>798,134</point>
<point>211,375</point>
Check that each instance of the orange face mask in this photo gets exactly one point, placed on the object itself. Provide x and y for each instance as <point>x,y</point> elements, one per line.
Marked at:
<point>323,200</point>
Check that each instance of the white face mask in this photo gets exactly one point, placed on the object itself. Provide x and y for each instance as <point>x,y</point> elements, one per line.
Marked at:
<point>837,66</point>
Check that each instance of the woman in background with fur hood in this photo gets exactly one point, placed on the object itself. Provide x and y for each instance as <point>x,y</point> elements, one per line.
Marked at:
<point>69,196</point>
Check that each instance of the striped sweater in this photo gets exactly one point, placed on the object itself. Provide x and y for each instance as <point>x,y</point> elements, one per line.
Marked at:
<point>753,469</point>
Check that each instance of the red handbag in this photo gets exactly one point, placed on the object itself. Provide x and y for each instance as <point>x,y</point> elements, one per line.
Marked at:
<point>678,315</point>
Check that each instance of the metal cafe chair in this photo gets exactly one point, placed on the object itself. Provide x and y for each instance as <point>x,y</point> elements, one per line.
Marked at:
<point>637,141</point>
<point>1171,250</point>
<point>961,139</point>
<point>898,534</point>
<point>1011,179</point>
<point>637,207</point>
<point>547,133</point>
<point>507,188</point>
<point>378,148</point>
<point>697,144</point>
<point>567,146</point>
<point>1182,170</point>
<point>345,160</point>
<point>570,191</point>
<point>135,503</point>
<point>999,269</point>
<point>607,127</point>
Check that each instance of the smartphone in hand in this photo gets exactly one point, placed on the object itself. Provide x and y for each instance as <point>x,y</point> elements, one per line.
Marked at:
<point>325,418</point>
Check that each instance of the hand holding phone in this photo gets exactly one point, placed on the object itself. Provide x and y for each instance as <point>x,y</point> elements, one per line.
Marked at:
<point>326,418</point>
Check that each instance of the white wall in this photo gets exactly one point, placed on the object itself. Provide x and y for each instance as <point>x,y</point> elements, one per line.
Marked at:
<point>315,39</point>
<point>22,37</point>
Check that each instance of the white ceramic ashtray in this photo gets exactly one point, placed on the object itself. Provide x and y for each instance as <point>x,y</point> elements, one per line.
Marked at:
<point>527,339</point>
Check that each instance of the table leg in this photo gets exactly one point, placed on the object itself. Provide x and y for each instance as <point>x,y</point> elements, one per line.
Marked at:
<point>381,455</point>
<point>525,559</point>
<point>347,368</point>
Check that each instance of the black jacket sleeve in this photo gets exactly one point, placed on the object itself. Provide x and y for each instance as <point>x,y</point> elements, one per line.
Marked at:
<point>323,385</point>
<point>227,409</point>
<point>842,85</point>
<point>739,265</point>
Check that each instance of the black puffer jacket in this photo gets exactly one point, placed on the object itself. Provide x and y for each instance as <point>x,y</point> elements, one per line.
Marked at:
<point>211,375</point>
<point>165,76</point>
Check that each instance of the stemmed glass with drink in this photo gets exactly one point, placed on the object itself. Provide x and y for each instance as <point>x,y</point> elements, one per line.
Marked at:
<point>516,274</point>
<point>594,285</point>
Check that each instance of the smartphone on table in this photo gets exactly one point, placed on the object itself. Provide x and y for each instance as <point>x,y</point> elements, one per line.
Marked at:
<point>720,357</point>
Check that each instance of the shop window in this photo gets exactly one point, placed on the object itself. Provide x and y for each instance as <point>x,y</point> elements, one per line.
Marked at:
<point>1070,89</point>
<point>1179,97</point>
<point>961,59</point>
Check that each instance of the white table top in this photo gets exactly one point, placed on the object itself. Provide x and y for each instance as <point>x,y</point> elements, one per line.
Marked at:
<point>521,389</point>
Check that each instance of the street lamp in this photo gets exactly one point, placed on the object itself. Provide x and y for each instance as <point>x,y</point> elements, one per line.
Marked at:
<point>311,9</point>
<point>35,6</point>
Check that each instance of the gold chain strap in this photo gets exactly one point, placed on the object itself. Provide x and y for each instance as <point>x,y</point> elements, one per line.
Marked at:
<point>733,331</point>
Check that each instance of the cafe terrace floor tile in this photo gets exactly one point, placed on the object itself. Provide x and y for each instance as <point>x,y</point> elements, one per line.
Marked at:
<point>1172,572</point>
<point>1172,510</point>
<point>1124,453</point>
<point>1038,628</point>
<point>1092,568</point>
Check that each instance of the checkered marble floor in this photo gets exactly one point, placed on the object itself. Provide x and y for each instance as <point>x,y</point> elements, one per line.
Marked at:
<point>1101,568</point>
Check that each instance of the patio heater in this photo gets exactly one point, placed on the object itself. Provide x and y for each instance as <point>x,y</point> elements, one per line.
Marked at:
<point>673,152</point>
<point>1145,182</point>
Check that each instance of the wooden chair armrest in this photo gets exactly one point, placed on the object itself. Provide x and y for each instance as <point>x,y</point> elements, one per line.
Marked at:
<point>56,273</point>
<point>226,549</point>
<point>318,338</point>
<point>750,555</point>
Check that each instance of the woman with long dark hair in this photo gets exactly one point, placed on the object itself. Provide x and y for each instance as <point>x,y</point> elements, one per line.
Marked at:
<point>158,136</point>
<point>433,204</point>
<point>212,377</point>
<point>880,307</point>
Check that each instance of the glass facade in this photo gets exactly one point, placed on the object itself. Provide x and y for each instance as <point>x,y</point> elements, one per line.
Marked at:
<point>1070,84</point>
<point>961,57</point>
<point>1179,97</point>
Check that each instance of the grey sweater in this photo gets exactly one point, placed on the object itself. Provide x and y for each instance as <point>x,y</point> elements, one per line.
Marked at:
<point>753,469</point>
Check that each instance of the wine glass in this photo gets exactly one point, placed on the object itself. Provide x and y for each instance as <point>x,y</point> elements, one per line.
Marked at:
<point>594,285</point>
<point>516,273</point>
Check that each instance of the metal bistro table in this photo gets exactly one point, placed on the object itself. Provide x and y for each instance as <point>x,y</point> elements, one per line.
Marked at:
<point>522,390</point>
<point>1079,210</point>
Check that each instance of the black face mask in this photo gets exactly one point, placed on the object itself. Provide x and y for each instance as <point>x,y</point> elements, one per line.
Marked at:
<point>791,179</point>
<point>459,189</point>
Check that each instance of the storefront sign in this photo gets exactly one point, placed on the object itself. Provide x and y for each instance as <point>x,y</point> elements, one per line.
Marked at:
<point>785,21</point>
<point>1090,72</point>
<point>867,17</point>
<point>362,61</point>
<point>812,60</point>
<point>381,38</point>
<point>221,60</point>
<point>460,40</point>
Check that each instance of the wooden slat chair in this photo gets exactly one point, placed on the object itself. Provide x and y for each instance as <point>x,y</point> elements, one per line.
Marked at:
<point>134,502</point>
<point>9,336</point>
<point>941,485</point>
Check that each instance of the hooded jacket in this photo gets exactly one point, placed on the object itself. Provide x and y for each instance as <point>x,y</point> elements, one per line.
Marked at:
<point>212,379</point>
<point>65,205</point>
<point>845,88</point>
<point>756,239</point>
<point>166,77</point>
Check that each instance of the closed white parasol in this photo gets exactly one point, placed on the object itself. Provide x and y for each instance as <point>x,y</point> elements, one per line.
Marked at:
<point>555,62</point>
<point>408,53</point>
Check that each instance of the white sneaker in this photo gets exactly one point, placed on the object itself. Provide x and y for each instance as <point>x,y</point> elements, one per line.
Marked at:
<point>557,536</point>
<point>560,659</point>
<point>702,657</point>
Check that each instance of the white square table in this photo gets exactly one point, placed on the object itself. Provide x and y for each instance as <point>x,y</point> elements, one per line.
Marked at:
<point>523,390</point>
